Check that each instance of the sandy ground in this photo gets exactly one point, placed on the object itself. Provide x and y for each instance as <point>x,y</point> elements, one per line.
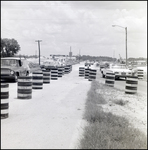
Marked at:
<point>134,110</point>
<point>53,118</point>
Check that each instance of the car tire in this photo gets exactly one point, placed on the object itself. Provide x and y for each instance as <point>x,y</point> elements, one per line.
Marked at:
<point>27,73</point>
<point>16,77</point>
<point>116,78</point>
<point>103,76</point>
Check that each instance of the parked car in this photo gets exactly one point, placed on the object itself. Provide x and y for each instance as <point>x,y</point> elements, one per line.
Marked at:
<point>12,67</point>
<point>87,63</point>
<point>103,65</point>
<point>34,67</point>
<point>120,70</point>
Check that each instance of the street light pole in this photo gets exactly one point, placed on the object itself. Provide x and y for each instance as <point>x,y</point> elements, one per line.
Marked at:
<point>126,43</point>
<point>39,48</point>
<point>125,39</point>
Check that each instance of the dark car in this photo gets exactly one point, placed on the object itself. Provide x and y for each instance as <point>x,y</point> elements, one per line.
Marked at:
<point>12,67</point>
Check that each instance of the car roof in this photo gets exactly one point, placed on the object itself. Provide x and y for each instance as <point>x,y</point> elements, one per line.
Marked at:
<point>16,58</point>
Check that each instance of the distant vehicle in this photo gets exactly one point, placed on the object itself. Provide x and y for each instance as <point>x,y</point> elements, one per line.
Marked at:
<point>120,70</point>
<point>34,67</point>
<point>12,67</point>
<point>103,65</point>
<point>87,63</point>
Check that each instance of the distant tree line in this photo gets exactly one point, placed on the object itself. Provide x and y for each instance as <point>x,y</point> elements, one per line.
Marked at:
<point>95,58</point>
<point>10,47</point>
<point>105,58</point>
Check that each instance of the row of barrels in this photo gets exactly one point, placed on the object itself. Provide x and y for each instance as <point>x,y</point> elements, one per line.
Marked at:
<point>140,73</point>
<point>130,86</point>
<point>25,85</point>
<point>87,73</point>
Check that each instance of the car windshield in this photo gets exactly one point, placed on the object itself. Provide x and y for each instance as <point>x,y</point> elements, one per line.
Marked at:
<point>9,62</point>
<point>118,67</point>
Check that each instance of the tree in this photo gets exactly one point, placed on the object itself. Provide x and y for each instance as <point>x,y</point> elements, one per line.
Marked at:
<point>9,47</point>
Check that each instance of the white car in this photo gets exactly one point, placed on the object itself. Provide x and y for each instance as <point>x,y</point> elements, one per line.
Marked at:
<point>120,70</point>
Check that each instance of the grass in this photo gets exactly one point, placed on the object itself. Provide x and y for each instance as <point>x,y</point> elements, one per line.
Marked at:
<point>105,130</point>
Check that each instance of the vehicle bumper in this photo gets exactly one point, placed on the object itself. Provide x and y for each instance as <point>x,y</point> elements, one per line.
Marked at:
<point>6,77</point>
<point>121,76</point>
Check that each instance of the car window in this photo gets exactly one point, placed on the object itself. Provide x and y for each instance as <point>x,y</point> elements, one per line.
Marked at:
<point>119,67</point>
<point>9,62</point>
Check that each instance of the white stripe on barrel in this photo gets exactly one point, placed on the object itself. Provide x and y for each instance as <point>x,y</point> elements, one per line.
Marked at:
<point>110,79</point>
<point>70,68</point>
<point>54,74</point>
<point>24,85</point>
<point>81,71</point>
<point>92,74</point>
<point>4,100</point>
<point>37,79</point>
<point>131,84</point>
<point>46,76</point>
<point>87,73</point>
<point>60,71</point>
<point>140,73</point>
<point>66,69</point>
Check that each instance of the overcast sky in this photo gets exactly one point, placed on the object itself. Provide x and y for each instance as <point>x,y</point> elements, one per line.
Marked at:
<point>86,26</point>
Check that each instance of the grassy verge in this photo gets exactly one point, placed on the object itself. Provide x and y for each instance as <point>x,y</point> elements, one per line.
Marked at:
<point>105,130</point>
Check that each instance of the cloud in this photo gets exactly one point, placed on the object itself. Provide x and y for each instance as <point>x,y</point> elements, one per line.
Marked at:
<point>82,25</point>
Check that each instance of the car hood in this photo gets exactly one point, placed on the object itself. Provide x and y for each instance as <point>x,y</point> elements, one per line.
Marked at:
<point>120,70</point>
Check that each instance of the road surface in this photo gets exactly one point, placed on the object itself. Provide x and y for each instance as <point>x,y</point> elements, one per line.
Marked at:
<point>52,119</point>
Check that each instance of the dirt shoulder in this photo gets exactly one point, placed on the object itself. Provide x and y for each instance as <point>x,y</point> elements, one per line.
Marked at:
<point>134,108</point>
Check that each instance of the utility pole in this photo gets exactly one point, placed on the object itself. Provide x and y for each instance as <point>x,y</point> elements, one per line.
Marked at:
<point>70,52</point>
<point>126,43</point>
<point>125,40</point>
<point>39,48</point>
<point>79,55</point>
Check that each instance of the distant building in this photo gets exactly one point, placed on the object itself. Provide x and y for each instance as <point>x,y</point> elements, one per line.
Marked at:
<point>70,54</point>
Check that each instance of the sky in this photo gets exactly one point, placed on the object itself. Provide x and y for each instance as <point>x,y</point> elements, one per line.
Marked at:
<point>84,27</point>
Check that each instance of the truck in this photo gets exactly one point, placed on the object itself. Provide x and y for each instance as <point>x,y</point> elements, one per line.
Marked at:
<point>12,67</point>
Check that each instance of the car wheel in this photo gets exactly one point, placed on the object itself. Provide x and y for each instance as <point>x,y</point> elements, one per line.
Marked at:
<point>27,73</point>
<point>103,76</point>
<point>116,78</point>
<point>16,77</point>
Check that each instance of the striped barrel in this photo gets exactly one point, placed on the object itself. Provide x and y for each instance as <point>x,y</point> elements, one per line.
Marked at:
<point>86,73</point>
<point>54,74</point>
<point>4,100</point>
<point>63,70</point>
<point>110,79</point>
<point>81,71</point>
<point>66,69</point>
<point>131,84</point>
<point>24,87</point>
<point>140,73</point>
<point>60,71</point>
<point>92,74</point>
<point>37,79</point>
<point>70,68</point>
<point>46,76</point>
